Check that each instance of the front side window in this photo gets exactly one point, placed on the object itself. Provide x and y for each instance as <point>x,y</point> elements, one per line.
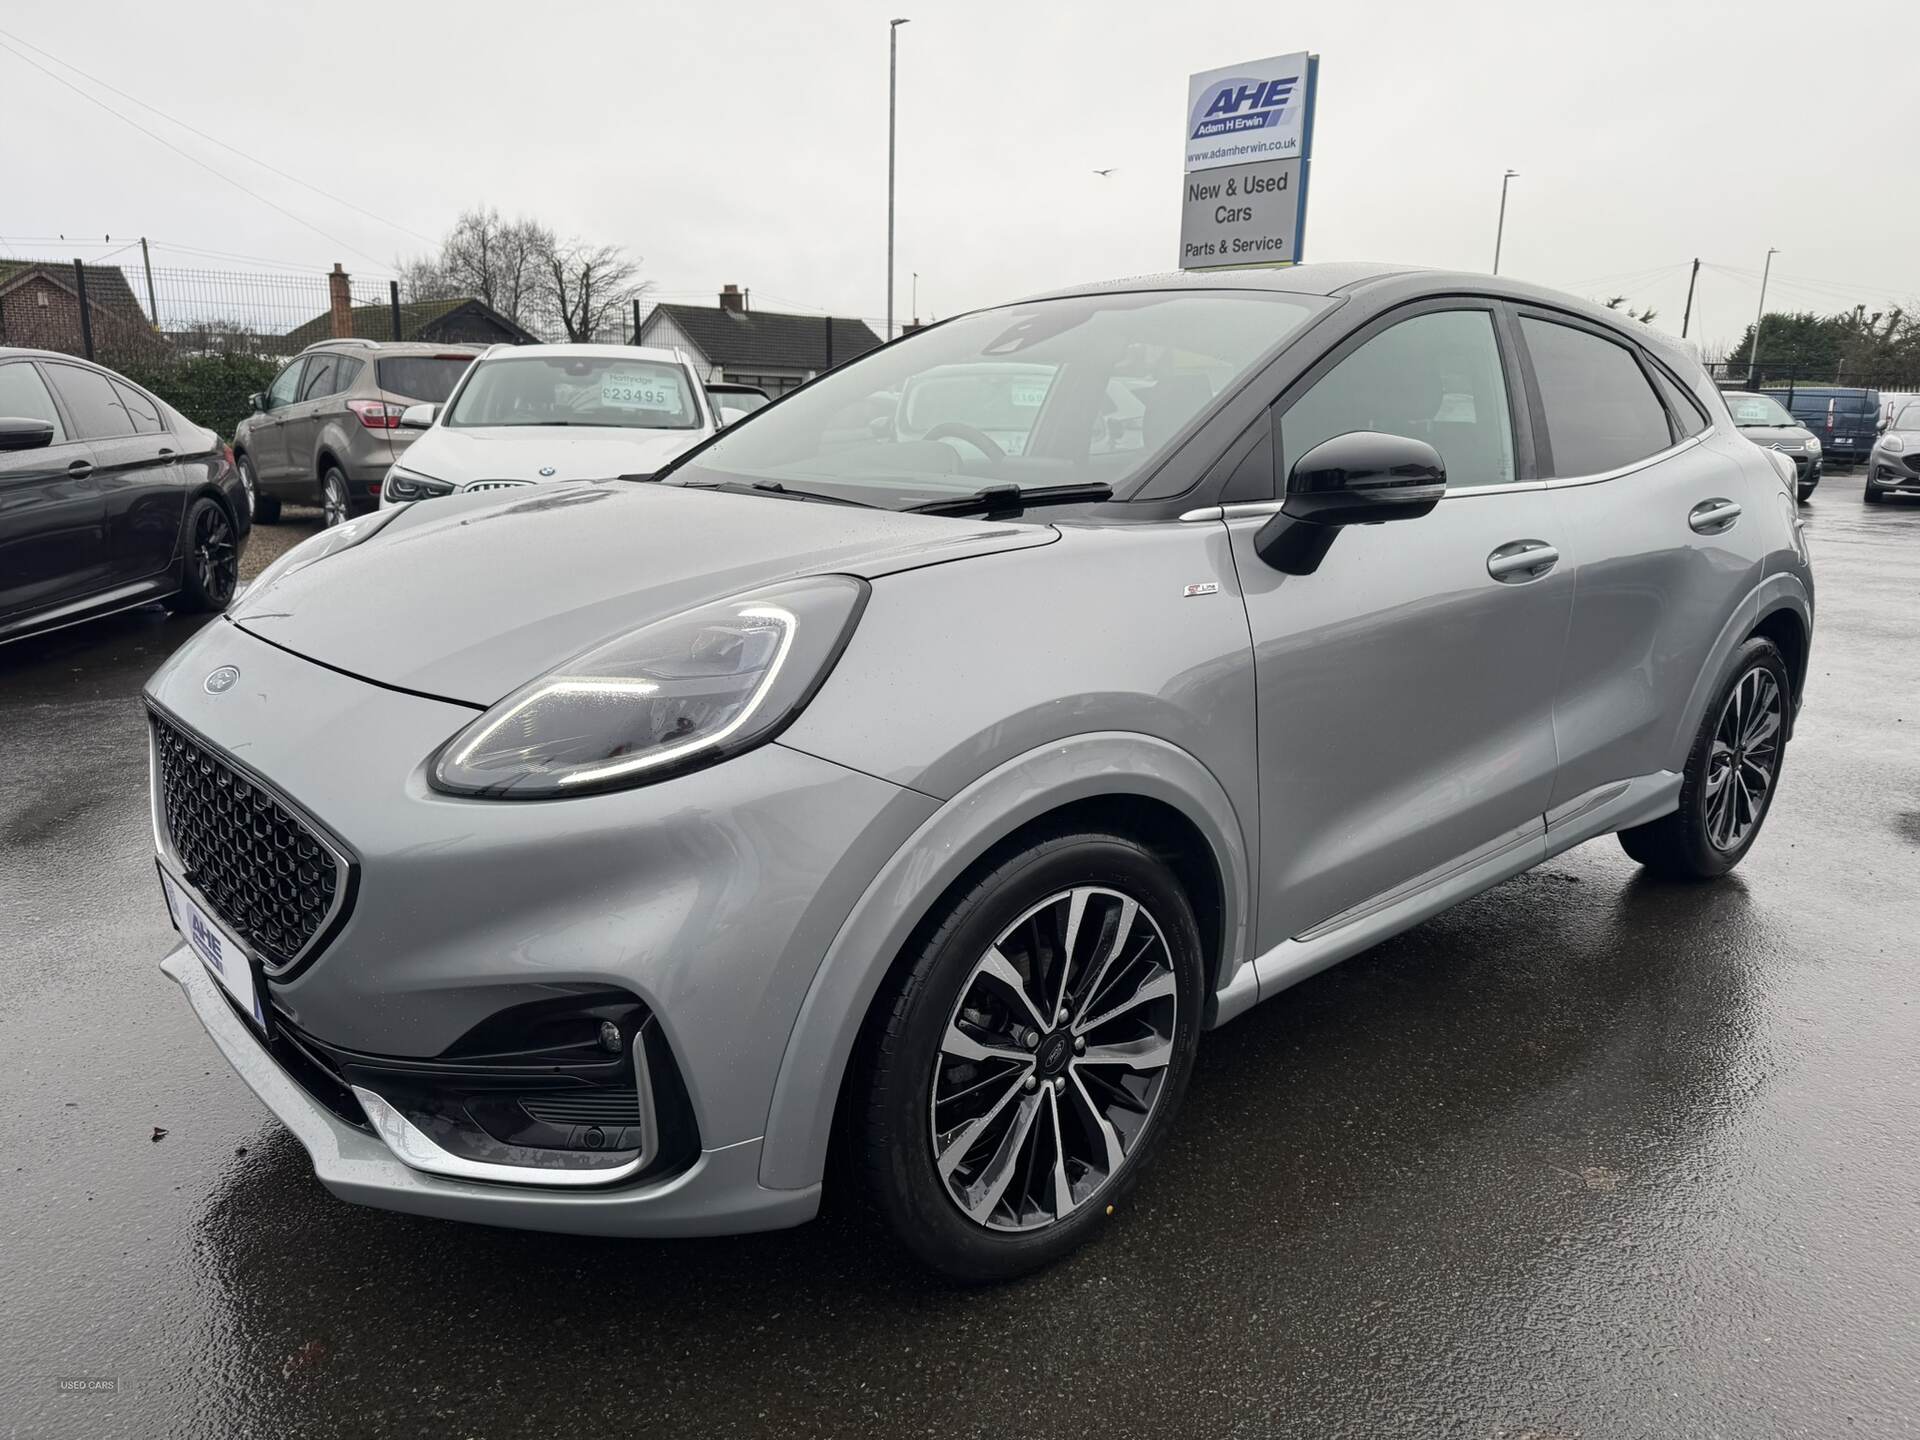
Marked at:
<point>1601,412</point>
<point>284,386</point>
<point>1436,377</point>
<point>1079,390</point>
<point>89,396</point>
<point>23,396</point>
<point>596,390</point>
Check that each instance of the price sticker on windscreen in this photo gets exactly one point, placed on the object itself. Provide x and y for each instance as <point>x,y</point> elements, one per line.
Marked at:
<point>640,390</point>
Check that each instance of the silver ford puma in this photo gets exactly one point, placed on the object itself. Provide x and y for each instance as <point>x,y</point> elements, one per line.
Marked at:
<point>941,751</point>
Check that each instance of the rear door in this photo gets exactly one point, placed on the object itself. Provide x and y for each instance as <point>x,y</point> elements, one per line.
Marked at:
<point>52,521</point>
<point>1662,526</point>
<point>1404,692</point>
<point>134,472</point>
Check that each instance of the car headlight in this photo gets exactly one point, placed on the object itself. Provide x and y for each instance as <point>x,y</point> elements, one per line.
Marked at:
<point>673,695</point>
<point>402,485</point>
<point>1813,445</point>
<point>1893,444</point>
<point>312,551</point>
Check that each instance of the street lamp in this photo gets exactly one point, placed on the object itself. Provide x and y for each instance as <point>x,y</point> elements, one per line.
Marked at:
<point>893,76</point>
<point>1753,351</point>
<point>1501,229</point>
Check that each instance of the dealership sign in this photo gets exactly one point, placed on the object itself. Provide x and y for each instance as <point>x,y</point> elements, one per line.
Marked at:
<point>1248,135</point>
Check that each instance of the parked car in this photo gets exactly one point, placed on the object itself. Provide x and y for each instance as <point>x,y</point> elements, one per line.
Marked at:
<point>731,402</point>
<point>531,413</point>
<point>941,796</point>
<point>1765,422</point>
<point>1844,418</point>
<point>109,498</point>
<point>1892,402</point>
<point>1895,463</point>
<point>328,429</point>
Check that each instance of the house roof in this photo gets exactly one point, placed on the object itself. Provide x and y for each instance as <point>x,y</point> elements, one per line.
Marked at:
<point>107,287</point>
<point>769,338</point>
<point>375,322</point>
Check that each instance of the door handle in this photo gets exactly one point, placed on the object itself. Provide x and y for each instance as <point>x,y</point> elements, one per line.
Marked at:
<point>1521,561</point>
<point>1710,517</point>
<point>166,452</point>
<point>80,469</point>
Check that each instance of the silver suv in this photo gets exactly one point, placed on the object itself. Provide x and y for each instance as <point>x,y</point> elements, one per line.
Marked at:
<point>939,781</point>
<point>328,428</point>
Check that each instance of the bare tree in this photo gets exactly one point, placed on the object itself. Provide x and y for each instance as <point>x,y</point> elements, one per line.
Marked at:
<point>587,286</point>
<point>501,263</point>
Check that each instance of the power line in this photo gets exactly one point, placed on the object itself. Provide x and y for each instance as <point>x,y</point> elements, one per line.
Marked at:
<point>216,140</point>
<point>186,155</point>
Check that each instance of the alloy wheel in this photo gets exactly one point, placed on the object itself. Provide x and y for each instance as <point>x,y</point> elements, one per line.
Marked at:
<point>1053,1059</point>
<point>334,502</point>
<point>1744,759</point>
<point>215,561</point>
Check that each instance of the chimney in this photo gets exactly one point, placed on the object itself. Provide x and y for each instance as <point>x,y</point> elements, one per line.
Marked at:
<point>733,298</point>
<point>340,302</point>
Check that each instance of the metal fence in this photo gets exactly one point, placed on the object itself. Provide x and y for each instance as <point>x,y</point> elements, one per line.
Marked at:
<point>1789,375</point>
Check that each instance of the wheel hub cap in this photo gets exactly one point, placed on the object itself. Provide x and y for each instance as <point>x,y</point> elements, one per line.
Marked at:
<point>1053,1059</point>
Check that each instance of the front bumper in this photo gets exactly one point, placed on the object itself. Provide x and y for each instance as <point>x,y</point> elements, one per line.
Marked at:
<point>1890,471</point>
<point>709,898</point>
<point>718,1194</point>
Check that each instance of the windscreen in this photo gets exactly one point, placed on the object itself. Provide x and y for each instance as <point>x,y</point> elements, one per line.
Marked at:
<point>1085,389</point>
<point>595,390</point>
<point>1750,411</point>
<point>426,378</point>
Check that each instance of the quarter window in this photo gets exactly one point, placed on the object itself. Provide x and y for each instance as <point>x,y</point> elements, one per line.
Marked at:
<point>24,397</point>
<point>1601,412</point>
<point>1688,418</point>
<point>141,410</point>
<point>92,402</point>
<point>345,371</point>
<point>1436,377</point>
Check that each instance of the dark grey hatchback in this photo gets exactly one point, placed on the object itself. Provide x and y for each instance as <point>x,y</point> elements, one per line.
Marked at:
<point>109,498</point>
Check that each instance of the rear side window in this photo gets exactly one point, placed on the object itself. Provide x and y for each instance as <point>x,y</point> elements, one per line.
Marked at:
<point>91,400</point>
<point>1688,418</point>
<point>140,410</point>
<point>24,397</point>
<point>428,378</point>
<point>319,379</point>
<point>1601,412</point>
<point>345,371</point>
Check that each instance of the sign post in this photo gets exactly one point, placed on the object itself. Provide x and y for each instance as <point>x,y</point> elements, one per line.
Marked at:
<point>1249,144</point>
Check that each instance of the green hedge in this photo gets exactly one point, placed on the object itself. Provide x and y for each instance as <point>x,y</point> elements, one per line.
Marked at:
<point>211,390</point>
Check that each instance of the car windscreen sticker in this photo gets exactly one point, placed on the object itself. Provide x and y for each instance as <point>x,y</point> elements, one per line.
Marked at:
<point>640,390</point>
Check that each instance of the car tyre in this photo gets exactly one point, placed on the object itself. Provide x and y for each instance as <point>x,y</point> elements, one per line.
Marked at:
<point>1731,776</point>
<point>336,500</point>
<point>1089,921</point>
<point>1870,495</point>
<point>212,564</point>
<point>262,509</point>
<point>1806,493</point>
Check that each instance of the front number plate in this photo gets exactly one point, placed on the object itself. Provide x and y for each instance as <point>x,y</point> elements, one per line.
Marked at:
<point>218,950</point>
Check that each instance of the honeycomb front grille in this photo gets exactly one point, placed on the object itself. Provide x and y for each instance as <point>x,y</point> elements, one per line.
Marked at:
<point>264,871</point>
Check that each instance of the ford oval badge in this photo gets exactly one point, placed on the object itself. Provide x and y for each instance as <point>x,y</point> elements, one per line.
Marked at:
<point>221,680</point>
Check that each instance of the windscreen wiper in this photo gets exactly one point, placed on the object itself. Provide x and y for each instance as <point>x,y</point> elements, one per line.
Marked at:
<point>1011,499</point>
<point>790,492</point>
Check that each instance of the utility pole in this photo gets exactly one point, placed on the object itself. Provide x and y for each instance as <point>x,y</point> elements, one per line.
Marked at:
<point>153,305</point>
<point>1500,230</point>
<point>915,307</point>
<point>893,84</point>
<point>1688,316</point>
<point>1753,351</point>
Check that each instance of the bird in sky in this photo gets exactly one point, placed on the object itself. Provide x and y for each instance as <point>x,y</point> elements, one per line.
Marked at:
<point>1108,171</point>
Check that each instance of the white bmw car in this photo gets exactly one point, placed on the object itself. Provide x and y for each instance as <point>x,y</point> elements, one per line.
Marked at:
<point>526,414</point>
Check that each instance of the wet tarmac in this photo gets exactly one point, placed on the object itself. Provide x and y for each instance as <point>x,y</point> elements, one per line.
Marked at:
<point>1589,1156</point>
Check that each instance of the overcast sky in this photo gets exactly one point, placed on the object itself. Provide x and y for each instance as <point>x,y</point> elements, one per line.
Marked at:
<point>1644,134</point>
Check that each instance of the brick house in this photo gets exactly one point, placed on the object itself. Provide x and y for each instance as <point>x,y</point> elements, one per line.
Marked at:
<point>40,310</point>
<point>768,348</point>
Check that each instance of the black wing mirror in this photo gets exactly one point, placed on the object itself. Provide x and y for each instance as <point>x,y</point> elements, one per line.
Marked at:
<point>23,434</point>
<point>258,400</point>
<point>1359,478</point>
